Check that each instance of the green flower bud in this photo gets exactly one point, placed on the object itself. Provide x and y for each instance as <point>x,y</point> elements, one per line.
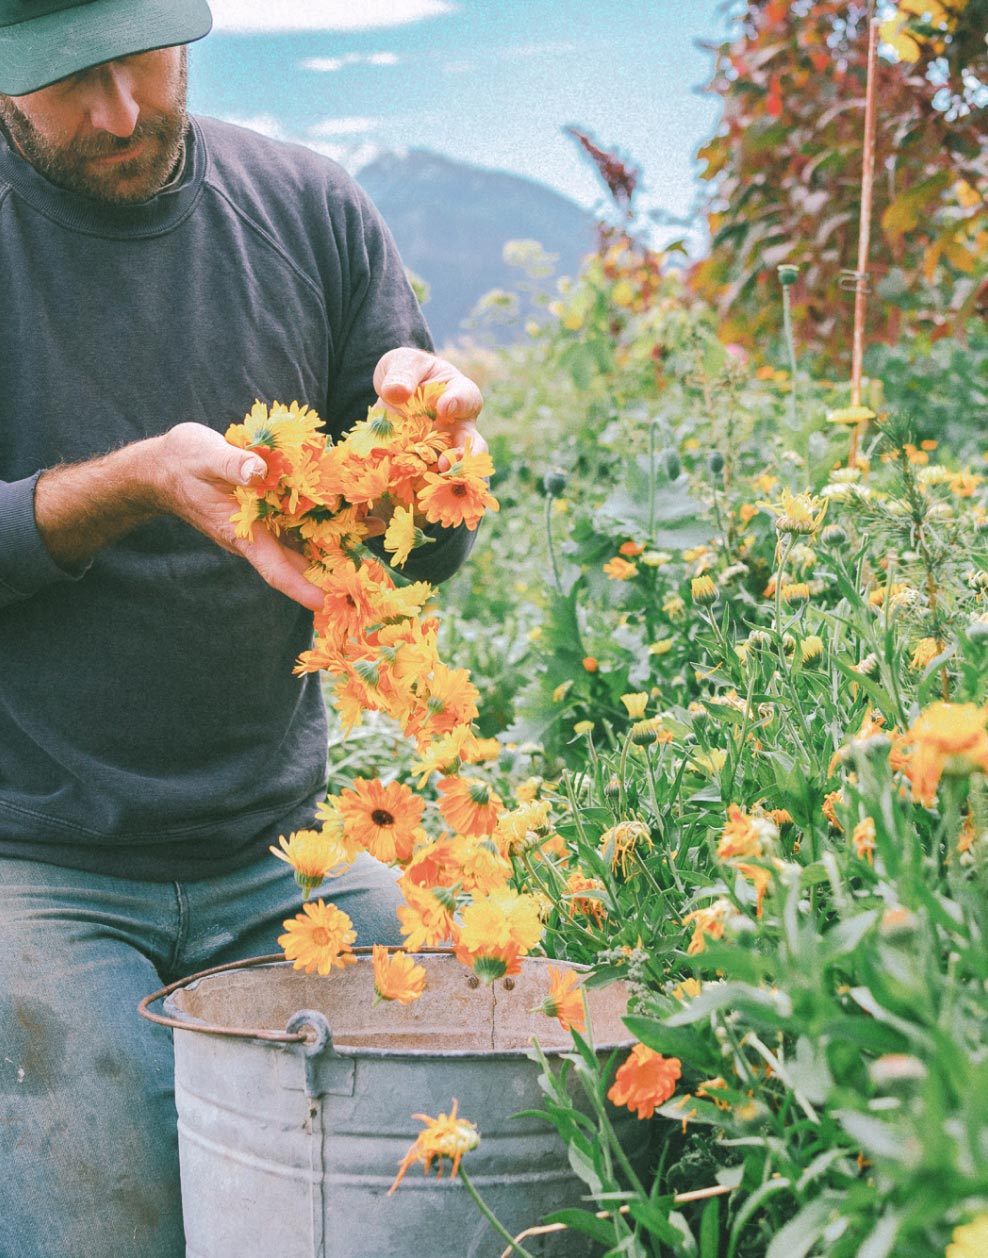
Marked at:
<point>715,462</point>
<point>788,274</point>
<point>833,535</point>
<point>672,463</point>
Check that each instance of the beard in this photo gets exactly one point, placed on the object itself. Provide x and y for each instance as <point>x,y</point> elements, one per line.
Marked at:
<point>158,140</point>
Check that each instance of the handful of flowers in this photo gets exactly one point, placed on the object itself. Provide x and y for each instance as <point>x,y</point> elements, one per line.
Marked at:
<point>378,640</point>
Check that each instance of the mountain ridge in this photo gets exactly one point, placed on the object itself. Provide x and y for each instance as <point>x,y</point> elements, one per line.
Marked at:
<point>451,221</point>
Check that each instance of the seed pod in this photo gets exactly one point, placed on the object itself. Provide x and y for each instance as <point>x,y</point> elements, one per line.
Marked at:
<point>554,482</point>
<point>672,463</point>
<point>788,274</point>
<point>715,462</point>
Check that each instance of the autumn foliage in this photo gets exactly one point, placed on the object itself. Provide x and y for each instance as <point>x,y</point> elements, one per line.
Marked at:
<point>784,169</point>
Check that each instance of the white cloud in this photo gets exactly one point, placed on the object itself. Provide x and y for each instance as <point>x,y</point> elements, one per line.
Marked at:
<point>266,124</point>
<point>322,15</point>
<point>327,65</point>
<point>344,126</point>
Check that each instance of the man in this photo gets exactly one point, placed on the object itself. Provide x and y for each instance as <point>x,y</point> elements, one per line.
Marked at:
<point>157,274</point>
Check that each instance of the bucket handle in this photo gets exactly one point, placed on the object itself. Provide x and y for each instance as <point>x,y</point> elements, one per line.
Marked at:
<point>290,1036</point>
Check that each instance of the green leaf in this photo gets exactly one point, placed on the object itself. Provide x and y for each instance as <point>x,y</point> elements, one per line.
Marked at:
<point>688,1046</point>
<point>710,1230</point>
<point>601,1230</point>
<point>800,1234</point>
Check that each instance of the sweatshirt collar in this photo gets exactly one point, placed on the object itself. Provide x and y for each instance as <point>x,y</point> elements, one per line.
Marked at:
<point>80,213</point>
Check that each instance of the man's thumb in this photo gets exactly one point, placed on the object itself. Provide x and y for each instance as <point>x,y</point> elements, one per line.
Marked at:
<point>252,469</point>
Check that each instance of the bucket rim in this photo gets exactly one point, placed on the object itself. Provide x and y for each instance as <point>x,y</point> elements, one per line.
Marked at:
<point>308,1036</point>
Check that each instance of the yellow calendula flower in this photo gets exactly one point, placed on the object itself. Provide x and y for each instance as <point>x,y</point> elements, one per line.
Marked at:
<point>703,590</point>
<point>946,739</point>
<point>970,1240</point>
<point>927,649</point>
<point>851,415</point>
<point>314,855</point>
<point>662,647</point>
<point>444,1137</point>
<point>811,648</point>
<point>396,976</point>
<point>583,727</point>
<point>796,592</point>
<point>636,704</point>
<point>673,607</point>
<point>401,536</point>
<point>797,513</point>
<point>620,842</point>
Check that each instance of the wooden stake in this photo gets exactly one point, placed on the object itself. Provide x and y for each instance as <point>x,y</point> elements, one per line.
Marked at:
<point>864,232</point>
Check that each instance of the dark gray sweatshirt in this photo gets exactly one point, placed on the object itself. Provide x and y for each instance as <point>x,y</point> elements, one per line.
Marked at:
<point>150,724</point>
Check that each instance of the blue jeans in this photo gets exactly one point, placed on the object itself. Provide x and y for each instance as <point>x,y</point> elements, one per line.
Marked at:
<point>88,1143</point>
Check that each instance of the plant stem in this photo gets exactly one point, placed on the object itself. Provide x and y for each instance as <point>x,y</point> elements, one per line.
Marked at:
<point>488,1214</point>
<point>548,538</point>
<point>791,346</point>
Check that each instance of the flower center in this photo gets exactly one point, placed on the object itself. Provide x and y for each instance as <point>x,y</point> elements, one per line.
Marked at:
<point>382,818</point>
<point>320,936</point>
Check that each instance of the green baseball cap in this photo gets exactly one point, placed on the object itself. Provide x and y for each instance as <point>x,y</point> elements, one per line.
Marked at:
<point>42,41</point>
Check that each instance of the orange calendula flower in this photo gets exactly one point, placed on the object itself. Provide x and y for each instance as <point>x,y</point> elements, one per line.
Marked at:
<point>630,549</point>
<point>565,1000</point>
<point>444,1137</point>
<point>319,939</point>
<point>470,806</point>
<point>619,569</point>
<point>946,739</point>
<point>741,837</point>
<point>382,819</point>
<point>590,664</point>
<point>459,496</point>
<point>396,976</point>
<point>708,923</point>
<point>588,905</point>
<point>863,838</point>
<point>646,1079</point>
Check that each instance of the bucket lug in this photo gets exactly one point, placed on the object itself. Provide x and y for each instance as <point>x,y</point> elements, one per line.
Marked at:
<point>327,1073</point>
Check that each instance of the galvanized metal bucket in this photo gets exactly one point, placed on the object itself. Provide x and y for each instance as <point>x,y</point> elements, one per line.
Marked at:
<point>289,1139</point>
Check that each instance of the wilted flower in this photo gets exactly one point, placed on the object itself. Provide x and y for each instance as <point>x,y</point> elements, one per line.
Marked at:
<point>444,1137</point>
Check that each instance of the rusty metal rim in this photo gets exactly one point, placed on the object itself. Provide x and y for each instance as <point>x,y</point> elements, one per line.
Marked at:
<point>304,1037</point>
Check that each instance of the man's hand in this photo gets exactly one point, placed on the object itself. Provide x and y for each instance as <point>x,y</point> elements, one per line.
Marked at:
<point>194,480</point>
<point>189,472</point>
<point>401,371</point>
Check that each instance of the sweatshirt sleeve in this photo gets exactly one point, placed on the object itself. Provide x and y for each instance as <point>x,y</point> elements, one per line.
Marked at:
<point>382,313</point>
<point>25,564</point>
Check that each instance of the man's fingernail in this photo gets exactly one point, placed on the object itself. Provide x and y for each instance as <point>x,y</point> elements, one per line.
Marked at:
<point>254,470</point>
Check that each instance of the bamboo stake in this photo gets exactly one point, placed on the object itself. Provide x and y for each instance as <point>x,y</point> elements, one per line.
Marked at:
<point>699,1194</point>
<point>864,233</point>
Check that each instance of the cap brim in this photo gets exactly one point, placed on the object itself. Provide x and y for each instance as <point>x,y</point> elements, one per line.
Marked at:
<point>42,50</point>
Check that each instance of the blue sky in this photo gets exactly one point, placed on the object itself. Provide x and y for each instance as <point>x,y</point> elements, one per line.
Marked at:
<point>491,82</point>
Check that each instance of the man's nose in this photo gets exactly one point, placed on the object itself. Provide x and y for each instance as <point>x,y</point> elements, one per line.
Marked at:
<point>112,106</point>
